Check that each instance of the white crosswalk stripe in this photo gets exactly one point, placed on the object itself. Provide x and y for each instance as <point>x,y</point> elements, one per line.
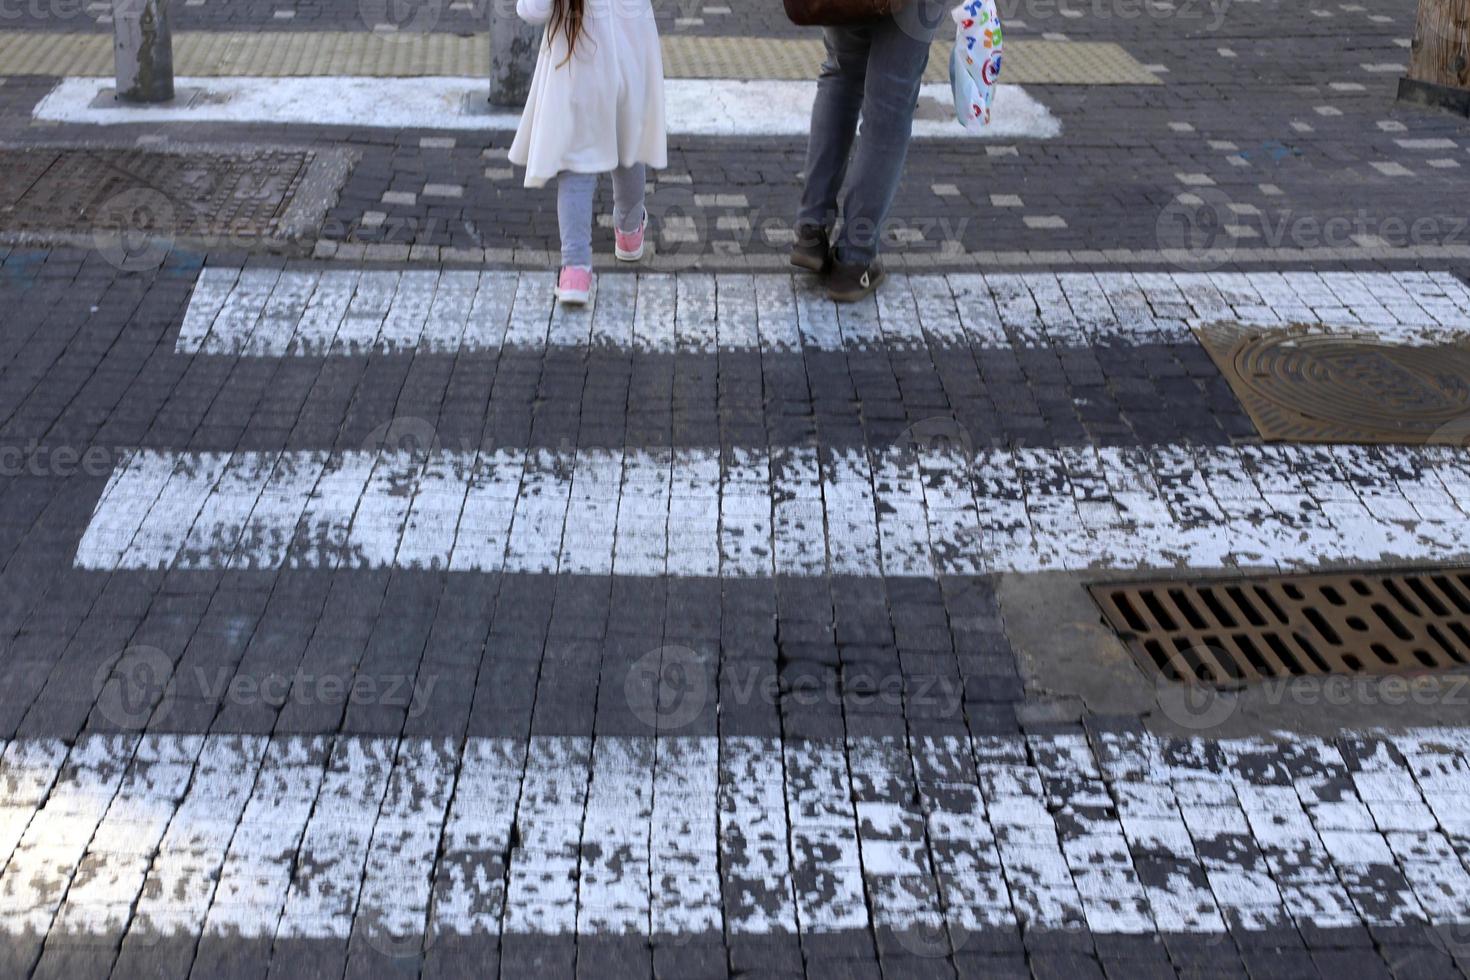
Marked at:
<point>255,879</point>
<point>180,886</point>
<point>343,312</point>
<point>542,893</point>
<point>614,880</point>
<point>51,853</point>
<point>335,843</point>
<point>690,513</point>
<point>302,838</point>
<point>470,879</point>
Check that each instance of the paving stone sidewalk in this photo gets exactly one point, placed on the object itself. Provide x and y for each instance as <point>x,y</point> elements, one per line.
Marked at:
<point>1205,163</point>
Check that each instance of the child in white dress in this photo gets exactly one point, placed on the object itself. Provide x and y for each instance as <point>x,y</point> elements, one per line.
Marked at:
<point>596,106</point>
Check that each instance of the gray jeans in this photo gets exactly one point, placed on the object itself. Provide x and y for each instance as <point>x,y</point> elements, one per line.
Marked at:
<point>873,71</point>
<point>574,194</point>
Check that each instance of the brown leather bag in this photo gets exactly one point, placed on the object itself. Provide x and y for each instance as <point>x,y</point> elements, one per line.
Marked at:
<point>835,13</point>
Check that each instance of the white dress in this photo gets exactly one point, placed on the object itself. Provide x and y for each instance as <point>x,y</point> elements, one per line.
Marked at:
<point>603,108</point>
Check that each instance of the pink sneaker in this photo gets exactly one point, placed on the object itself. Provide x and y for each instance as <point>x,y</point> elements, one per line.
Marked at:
<point>574,285</point>
<point>628,245</point>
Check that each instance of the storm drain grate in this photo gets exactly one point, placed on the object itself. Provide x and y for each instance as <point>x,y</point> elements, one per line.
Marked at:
<point>1235,631</point>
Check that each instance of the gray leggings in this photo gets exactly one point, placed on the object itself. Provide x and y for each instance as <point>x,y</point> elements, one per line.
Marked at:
<point>574,193</point>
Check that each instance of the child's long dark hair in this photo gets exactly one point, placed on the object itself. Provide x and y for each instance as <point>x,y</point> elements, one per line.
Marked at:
<point>566,19</point>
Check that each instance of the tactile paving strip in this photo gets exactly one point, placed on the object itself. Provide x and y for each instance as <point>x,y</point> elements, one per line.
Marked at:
<point>1307,384</point>
<point>280,54</point>
<point>1027,62</point>
<point>1234,631</point>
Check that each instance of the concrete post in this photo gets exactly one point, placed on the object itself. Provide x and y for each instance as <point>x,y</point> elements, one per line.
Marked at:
<point>1439,59</point>
<point>143,50</point>
<point>513,47</point>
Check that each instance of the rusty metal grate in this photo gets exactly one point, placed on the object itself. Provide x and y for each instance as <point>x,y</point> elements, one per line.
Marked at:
<point>1234,631</point>
<point>1301,384</point>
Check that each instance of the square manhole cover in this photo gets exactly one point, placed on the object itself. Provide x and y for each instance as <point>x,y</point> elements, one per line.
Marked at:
<point>1304,384</point>
<point>185,194</point>
<point>1235,631</point>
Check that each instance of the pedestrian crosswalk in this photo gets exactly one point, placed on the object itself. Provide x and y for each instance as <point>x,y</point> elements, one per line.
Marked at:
<point>298,837</point>
<point>943,833</point>
<point>270,312</point>
<point>699,512</point>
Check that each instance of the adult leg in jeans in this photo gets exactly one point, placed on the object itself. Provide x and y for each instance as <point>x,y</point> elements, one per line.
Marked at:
<point>834,123</point>
<point>629,184</point>
<point>574,217</point>
<point>897,57</point>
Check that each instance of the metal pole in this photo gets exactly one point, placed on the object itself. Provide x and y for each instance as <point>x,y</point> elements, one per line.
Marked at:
<point>143,50</point>
<point>513,47</point>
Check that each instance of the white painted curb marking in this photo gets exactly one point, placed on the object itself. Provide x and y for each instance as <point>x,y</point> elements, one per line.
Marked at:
<point>693,107</point>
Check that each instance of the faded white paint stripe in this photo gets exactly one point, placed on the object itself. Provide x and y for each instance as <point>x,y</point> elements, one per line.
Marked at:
<point>542,893</point>
<point>825,855</point>
<point>694,107</point>
<point>898,873</point>
<point>450,311</point>
<point>614,887</point>
<point>470,878</point>
<point>893,512</point>
<point>398,880</point>
<point>182,835</point>
<point>684,844</point>
<point>755,857</point>
<point>334,848</point>
<point>179,889</point>
<point>110,875</point>
<point>255,879</point>
<point>51,853</point>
